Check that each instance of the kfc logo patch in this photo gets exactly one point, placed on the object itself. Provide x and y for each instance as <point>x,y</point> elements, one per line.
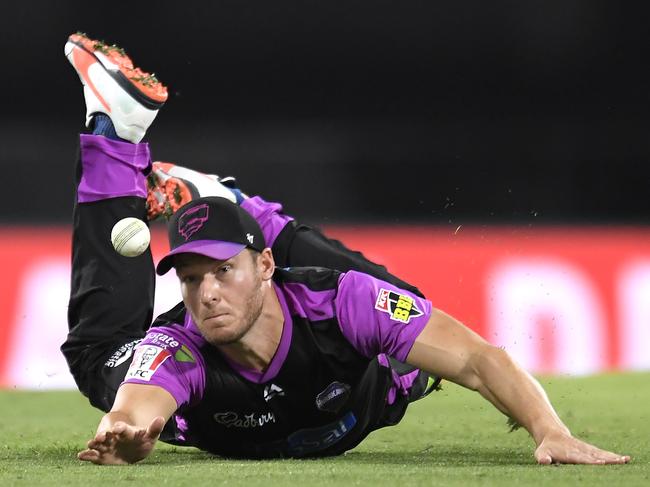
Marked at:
<point>193,220</point>
<point>146,360</point>
<point>400,307</point>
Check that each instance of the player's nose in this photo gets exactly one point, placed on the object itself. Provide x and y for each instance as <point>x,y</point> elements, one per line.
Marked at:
<point>209,290</point>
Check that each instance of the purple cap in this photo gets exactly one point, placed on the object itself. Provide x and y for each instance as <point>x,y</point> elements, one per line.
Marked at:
<point>214,227</point>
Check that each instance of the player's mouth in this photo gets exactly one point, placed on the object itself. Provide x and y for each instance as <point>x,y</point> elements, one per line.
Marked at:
<point>214,318</point>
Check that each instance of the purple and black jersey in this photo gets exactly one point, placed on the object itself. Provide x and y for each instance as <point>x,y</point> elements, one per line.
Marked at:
<point>335,325</point>
<point>335,377</point>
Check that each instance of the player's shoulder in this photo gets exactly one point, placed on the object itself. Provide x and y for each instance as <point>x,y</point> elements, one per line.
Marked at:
<point>176,315</point>
<point>363,290</point>
<point>171,330</point>
<point>324,279</point>
<point>312,278</point>
<point>173,340</point>
<point>360,281</point>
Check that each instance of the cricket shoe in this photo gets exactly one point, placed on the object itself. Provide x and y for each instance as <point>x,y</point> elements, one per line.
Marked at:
<point>170,186</point>
<point>115,87</point>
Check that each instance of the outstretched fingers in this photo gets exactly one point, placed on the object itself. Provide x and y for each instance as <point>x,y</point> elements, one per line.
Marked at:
<point>607,457</point>
<point>102,442</point>
<point>155,428</point>
<point>88,455</point>
<point>104,447</point>
<point>574,451</point>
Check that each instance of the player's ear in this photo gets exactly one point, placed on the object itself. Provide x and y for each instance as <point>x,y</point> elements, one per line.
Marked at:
<point>266,263</point>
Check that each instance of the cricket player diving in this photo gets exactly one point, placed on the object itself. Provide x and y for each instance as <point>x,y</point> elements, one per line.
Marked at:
<point>286,343</point>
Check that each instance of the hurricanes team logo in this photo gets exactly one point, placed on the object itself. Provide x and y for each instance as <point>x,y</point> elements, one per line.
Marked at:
<point>400,307</point>
<point>192,221</point>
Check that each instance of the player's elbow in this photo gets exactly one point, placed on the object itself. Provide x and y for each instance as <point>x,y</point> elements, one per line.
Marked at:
<point>486,363</point>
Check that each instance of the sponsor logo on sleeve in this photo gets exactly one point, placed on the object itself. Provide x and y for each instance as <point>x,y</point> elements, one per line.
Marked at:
<point>122,354</point>
<point>146,361</point>
<point>400,307</point>
<point>333,397</point>
<point>165,341</point>
<point>184,354</point>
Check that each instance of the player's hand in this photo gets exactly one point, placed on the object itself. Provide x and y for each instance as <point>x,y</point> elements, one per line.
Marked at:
<point>560,447</point>
<point>122,443</point>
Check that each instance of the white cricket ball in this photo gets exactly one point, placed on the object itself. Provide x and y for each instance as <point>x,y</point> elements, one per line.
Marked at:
<point>130,237</point>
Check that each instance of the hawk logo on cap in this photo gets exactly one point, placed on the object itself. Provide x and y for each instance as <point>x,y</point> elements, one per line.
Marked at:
<point>192,221</point>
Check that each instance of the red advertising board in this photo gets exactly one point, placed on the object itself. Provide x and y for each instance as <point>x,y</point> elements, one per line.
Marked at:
<point>560,299</point>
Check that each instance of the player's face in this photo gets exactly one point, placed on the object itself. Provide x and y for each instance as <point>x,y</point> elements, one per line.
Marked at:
<point>225,298</point>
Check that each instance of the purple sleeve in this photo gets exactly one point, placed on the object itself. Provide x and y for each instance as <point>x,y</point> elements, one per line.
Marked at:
<point>268,215</point>
<point>110,168</point>
<point>169,358</point>
<point>378,317</point>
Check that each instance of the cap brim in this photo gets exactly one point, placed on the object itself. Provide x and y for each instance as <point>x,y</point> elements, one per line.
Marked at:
<point>214,249</point>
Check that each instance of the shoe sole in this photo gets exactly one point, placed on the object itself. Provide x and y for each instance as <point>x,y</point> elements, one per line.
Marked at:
<point>115,72</point>
<point>173,191</point>
<point>171,186</point>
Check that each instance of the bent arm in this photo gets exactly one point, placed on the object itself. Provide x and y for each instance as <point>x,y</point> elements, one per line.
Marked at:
<point>450,350</point>
<point>129,431</point>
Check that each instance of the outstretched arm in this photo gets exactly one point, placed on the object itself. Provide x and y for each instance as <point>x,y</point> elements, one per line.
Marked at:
<point>448,349</point>
<point>128,433</point>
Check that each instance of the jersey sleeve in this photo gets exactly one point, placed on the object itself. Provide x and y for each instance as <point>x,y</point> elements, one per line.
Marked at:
<point>268,215</point>
<point>168,358</point>
<point>378,317</point>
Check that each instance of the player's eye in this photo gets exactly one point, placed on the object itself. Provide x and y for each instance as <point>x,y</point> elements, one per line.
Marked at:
<point>187,279</point>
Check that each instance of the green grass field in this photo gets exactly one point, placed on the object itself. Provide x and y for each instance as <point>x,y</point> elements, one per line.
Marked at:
<point>451,438</point>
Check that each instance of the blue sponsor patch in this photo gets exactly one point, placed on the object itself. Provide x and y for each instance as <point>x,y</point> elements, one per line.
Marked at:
<point>311,440</point>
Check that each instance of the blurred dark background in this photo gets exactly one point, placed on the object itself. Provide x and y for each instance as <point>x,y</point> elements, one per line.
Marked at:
<point>358,111</point>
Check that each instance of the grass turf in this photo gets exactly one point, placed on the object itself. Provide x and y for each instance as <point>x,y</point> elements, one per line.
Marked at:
<point>451,438</point>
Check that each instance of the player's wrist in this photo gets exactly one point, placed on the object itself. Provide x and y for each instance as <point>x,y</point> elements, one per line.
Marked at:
<point>548,429</point>
<point>111,418</point>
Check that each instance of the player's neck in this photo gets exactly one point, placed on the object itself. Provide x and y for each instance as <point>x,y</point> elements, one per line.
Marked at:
<point>257,347</point>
